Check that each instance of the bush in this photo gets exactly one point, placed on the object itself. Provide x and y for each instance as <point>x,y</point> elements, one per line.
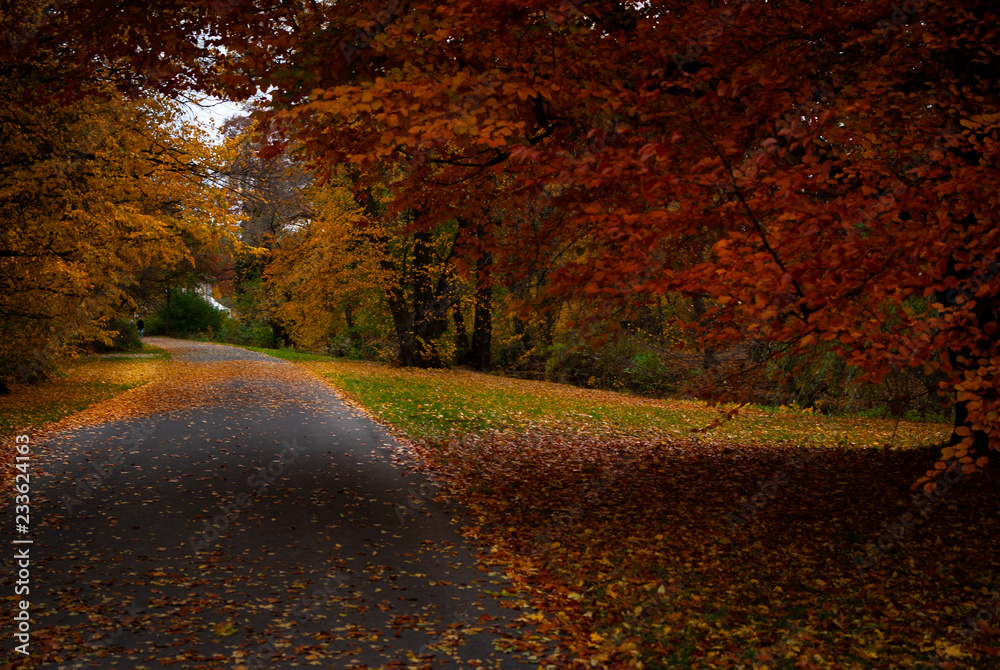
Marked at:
<point>823,380</point>
<point>341,346</point>
<point>189,313</point>
<point>125,338</point>
<point>254,333</point>
<point>619,366</point>
<point>260,334</point>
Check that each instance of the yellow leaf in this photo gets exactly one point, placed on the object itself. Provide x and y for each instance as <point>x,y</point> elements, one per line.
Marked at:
<point>953,650</point>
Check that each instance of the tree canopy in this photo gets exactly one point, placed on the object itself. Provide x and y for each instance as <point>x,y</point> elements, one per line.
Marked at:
<point>104,187</point>
<point>821,173</point>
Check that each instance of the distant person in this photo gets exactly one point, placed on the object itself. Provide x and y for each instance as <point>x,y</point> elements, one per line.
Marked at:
<point>140,325</point>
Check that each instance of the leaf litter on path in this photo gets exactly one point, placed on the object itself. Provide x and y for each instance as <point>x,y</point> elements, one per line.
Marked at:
<point>210,608</point>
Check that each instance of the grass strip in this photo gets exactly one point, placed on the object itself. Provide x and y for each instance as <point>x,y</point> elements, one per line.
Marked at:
<point>74,387</point>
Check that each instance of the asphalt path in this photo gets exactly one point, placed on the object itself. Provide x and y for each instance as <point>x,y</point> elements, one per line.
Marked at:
<point>238,514</point>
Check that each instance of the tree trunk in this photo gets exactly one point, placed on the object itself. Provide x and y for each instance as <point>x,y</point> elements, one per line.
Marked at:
<point>482,330</point>
<point>985,312</point>
<point>519,291</point>
<point>709,359</point>
<point>462,349</point>
<point>402,321</point>
<point>279,337</point>
<point>661,333</point>
<point>548,328</point>
<point>428,323</point>
<point>980,440</point>
<point>420,323</point>
<point>352,333</point>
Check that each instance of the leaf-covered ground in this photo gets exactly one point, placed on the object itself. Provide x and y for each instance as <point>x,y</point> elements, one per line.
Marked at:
<point>438,403</point>
<point>755,545</point>
<point>78,386</point>
<point>639,543</point>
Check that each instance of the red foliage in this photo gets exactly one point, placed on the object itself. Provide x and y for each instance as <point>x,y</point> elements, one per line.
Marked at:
<point>823,171</point>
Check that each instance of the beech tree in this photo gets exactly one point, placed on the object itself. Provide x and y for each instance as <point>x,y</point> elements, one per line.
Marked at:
<point>97,189</point>
<point>268,195</point>
<point>331,271</point>
<point>817,172</point>
<point>834,162</point>
<point>91,200</point>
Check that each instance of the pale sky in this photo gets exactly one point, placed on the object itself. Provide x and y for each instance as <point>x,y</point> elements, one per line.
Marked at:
<point>212,112</point>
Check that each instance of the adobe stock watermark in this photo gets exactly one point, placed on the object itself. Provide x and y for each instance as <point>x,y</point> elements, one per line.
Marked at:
<point>33,26</point>
<point>362,38</point>
<point>258,482</point>
<point>34,365</point>
<point>709,32</point>
<point>972,626</point>
<point>308,601</point>
<point>260,656</point>
<point>789,641</point>
<point>87,486</point>
<point>767,490</point>
<point>886,198</point>
<point>901,15</point>
<point>894,530</point>
<point>416,498</point>
<point>705,39</point>
<point>462,614</point>
<point>590,493</point>
<point>472,93</point>
<point>130,615</point>
<point>966,291</point>
<point>987,272</point>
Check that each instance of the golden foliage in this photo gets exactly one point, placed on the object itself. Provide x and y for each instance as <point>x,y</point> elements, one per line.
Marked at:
<point>329,269</point>
<point>92,193</point>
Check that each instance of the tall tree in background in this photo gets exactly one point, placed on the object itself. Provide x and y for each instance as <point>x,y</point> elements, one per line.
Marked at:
<point>269,195</point>
<point>95,195</point>
<point>332,270</point>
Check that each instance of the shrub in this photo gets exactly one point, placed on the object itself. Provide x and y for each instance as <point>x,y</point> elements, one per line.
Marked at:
<point>125,337</point>
<point>188,313</point>
<point>619,366</point>
<point>253,333</point>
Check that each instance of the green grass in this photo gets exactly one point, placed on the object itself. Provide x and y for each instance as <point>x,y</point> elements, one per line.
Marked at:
<point>462,404</point>
<point>431,404</point>
<point>75,397</point>
<point>286,354</point>
<point>150,349</point>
